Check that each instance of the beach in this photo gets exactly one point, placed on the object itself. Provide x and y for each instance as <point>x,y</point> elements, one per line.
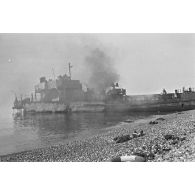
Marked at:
<point>169,137</point>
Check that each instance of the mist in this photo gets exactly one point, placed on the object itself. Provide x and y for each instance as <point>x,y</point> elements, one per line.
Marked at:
<point>142,63</point>
<point>24,58</point>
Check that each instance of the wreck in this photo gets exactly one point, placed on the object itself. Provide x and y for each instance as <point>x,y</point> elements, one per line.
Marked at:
<point>65,95</point>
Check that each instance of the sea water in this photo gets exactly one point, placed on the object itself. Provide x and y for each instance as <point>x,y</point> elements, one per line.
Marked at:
<point>25,132</point>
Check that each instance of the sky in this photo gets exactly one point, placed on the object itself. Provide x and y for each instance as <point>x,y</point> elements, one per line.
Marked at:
<point>145,63</point>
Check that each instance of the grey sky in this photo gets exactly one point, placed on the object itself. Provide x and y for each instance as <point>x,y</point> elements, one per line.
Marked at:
<point>146,63</point>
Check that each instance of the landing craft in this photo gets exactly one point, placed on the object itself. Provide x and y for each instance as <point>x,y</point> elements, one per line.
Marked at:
<point>63,94</point>
<point>178,101</point>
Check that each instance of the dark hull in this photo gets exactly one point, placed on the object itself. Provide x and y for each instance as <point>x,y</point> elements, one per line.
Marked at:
<point>109,107</point>
<point>161,107</point>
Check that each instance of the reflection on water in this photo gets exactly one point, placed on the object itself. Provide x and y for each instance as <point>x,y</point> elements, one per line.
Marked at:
<point>41,130</point>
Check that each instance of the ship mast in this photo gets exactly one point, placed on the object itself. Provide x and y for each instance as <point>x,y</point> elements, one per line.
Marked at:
<point>54,76</point>
<point>69,66</point>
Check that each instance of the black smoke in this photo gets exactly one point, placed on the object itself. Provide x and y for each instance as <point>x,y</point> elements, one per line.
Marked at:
<point>102,73</point>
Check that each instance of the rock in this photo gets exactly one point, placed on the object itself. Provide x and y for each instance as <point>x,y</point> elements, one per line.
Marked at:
<point>151,156</point>
<point>174,142</point>
<point>169,137</point>
<point>141,133</point>
<point>172,137</point>
<point>135,134</point>
<point>116,159</point>
<point>153,122</point>
<point>115,138</point>
<point>182,138</point>
<point>166,149</point>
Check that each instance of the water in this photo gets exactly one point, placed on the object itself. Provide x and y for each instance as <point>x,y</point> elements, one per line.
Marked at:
<point>41,130</point>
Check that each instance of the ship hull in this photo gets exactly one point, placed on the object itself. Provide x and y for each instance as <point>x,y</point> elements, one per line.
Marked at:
<point>159,107</point>
<point>39,107</point>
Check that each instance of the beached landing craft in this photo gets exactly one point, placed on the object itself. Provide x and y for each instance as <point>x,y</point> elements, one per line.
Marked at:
<point>66,95</point>
<point>180,100</point>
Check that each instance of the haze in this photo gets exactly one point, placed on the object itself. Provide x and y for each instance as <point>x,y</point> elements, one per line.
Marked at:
<point>145,63</point>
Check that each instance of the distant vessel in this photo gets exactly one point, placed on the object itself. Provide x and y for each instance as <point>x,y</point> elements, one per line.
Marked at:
<point>179,100</point>
<point>66,95</point>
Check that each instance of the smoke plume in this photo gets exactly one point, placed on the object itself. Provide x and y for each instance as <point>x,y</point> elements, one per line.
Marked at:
<point>101,70</point>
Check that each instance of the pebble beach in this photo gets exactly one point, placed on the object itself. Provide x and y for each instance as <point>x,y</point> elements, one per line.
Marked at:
<point>102,147</point>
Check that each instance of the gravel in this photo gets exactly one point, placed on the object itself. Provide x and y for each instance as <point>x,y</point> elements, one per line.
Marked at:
<point>102,147</point>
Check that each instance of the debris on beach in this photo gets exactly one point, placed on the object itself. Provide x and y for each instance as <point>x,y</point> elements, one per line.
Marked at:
<point>122,139</point>
<point>153,122</point>
<point>131,158</point>
<point>125,138</point>
<point>170,137</point>
<point>156,121</point>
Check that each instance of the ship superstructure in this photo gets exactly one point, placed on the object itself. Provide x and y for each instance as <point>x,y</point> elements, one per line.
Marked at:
<point>63,90</point>
<point>62,94</point>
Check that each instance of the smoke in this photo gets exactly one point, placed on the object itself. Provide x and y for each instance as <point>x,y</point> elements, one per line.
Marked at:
<point>102,73</point>
<point>24,58</point>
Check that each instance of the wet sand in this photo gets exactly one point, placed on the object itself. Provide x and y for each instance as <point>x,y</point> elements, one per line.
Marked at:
<point>102,147</point>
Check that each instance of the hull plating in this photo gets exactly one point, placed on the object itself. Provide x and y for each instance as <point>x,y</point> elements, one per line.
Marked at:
<point>107,107</point>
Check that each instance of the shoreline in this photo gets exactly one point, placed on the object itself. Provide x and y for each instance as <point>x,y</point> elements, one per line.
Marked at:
<point>102,147</point>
